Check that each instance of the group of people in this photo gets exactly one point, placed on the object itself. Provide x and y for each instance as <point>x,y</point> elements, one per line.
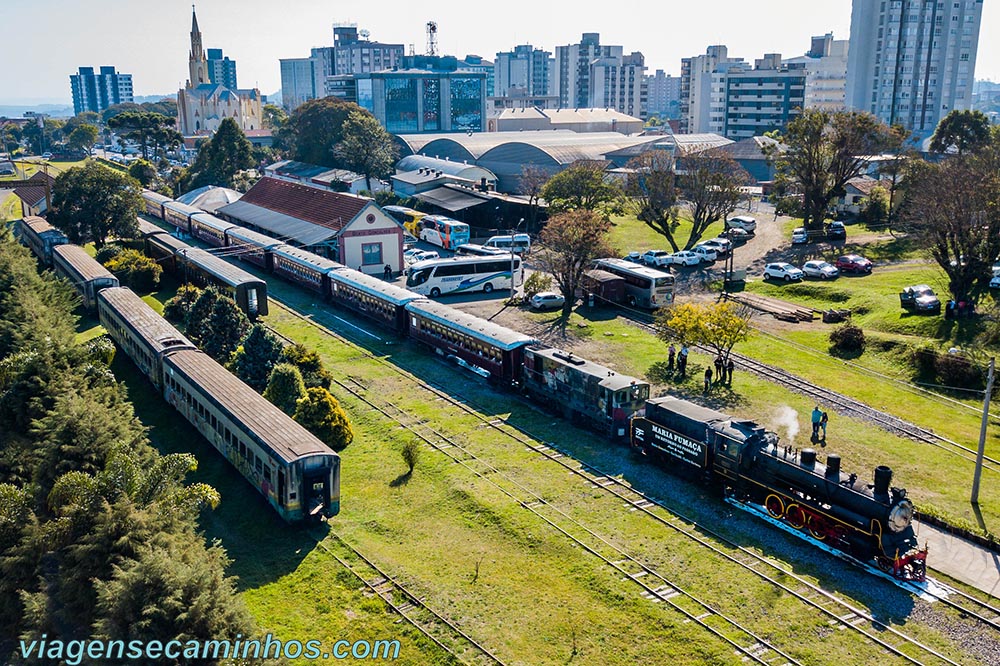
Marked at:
<point>723,371</point>
<point>682,359</point>
<point>819,421</point>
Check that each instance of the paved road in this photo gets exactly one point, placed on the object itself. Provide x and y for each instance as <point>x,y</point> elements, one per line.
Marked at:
<point>961,559</point>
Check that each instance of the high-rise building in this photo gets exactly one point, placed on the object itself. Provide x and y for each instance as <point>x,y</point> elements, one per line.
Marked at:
<point>911,63</point>
<point>303,79</point>
<point>663,95</point>
<point>826,73</point>
<point>96,92</point>
<point>591,75</point>
<point>523,72</point>
<point>764,98</point>
<point>703,90</point>
<point>221,69</point>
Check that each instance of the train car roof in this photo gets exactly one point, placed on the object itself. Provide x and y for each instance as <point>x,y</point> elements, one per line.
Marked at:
<point>212,221</point>
<point>155,196</point>
<point>725,423</point>
<point>156,331</point>
<point>171,243</point>
<point>494,334</point>
<point>219,268</point>
<point>181,208</point>
<point>610,379</point>
<point>301,256</point>
<point>260,240</point>
<point>147,228</point>
<point>268,424</point>
<point>37,224</point>
<point>85,265</point>
<point>374,286</point>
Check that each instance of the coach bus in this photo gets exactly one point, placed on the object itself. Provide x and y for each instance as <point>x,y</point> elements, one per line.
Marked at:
<point>644,287</point>
<point>462,274</point>
<point>443,231</point>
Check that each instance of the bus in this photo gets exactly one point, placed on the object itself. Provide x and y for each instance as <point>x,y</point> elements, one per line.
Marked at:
<point>443,231</point>
<point>520,243</point>
<point>463,274</point>
<point>644,287</point>
<point>408,217</point>
<point>473,250</point>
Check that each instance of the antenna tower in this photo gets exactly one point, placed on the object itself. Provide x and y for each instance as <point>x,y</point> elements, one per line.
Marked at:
<point>432,38</point>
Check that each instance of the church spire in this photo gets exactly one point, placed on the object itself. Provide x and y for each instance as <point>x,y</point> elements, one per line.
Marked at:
<point>197,63</point>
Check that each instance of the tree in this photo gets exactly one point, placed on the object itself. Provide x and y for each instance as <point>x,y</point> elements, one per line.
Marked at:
<point>964,131</point>
<point>198,320</point>
<point>145,128</point>
<point>875,207</point>
<point>227,326</point>
<point>309,364</point>
<point>530,184</point>
<point>720,326</point>
<point>951,209</point>
<point>712,184</point>
<point>221,158</point>
<point>82,118</point>
<point>819,152</point>
<point>274,117</point>
<point>143,171</point>
<point>91,202</point>
<point>652,195</point>
<point>285,387</point>
<point>321,414</point>
<point>136,270</point>
<point>582,185</point>
<point>315,127</point>
<point>411,454</point>
<point>83,138</point>
<point>256,357</point>
<point>366,147</point>
<point>45,137</point>
<point>178,308</point>
<point>570,243</point>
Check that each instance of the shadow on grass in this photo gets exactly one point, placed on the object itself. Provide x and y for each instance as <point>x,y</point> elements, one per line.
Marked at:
<point>690,385</point>
<point>402,479</point>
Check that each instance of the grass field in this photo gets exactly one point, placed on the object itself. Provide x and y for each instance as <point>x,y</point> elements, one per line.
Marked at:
<point>630,234</point>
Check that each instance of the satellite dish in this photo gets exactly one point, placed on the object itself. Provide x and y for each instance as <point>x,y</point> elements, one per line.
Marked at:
<point>365,34</point>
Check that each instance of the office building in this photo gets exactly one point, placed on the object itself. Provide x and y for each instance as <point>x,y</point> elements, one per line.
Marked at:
<point>826,73</point>
<point>221,69</point>
<point>96,92</point>
<point>911,63</point>
<point>703,90</point>
<point>523,72</point>
<point>663,95</point>
<point>764,98</point>
<point>420,100</point>
<point>590,75</point>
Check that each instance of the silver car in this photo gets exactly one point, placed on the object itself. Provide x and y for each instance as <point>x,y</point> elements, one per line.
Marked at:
<point>822,270</point>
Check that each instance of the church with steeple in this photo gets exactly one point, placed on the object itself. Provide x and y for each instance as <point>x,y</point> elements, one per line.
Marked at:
<point>202,105</point>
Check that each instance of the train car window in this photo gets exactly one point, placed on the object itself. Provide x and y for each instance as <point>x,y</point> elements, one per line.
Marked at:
<point>258,463</point>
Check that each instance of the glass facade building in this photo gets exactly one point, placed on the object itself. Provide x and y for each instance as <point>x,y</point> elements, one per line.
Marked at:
<point>416,100</point>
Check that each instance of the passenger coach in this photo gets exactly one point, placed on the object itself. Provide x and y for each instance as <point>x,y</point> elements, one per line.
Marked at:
<point>251,246</point>
<point>84,272</point>
<point>371,297</point>
<point>210,229</point>
<point>203,268</point>
<point>40,237</point>
<point>304,268</point>
<point>154,202</point>
<point>179,215</point>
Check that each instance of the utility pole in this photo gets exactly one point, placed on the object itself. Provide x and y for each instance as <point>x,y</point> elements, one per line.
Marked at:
<point>982,433</point>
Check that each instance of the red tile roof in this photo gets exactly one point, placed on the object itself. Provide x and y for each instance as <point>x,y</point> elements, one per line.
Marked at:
<point>332,210</point>
<point>34,194</point>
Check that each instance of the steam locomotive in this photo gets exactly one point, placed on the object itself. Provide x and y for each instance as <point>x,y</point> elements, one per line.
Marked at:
<point>871,522</point>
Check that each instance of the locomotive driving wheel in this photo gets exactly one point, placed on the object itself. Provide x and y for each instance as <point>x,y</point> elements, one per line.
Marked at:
<point>796,516</point>
<point>818,527</point>
<point>775,506</point>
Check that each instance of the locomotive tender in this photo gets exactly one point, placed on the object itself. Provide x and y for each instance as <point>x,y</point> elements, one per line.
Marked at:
<point>872,522</point>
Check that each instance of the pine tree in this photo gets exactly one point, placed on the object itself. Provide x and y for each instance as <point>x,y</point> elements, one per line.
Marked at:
<point>178,308</point>
<point>256,357</point>
<point>198,326</point>
<point>321,414</point>
<point>285,387</point>
<point>310,365</point>
<point>227,326</point>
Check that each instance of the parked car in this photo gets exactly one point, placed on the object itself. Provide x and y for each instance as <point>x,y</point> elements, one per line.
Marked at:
<point>737,235</point>
<point>995,282</point>
<point>854,263</point>
<point>634,257</point>
<point>820,269</point>
<point>836,231</point>
<point>744,222</point>
<point>685,258</point>
<point>420,255</point>
<point>46,155</point>
<point>782,271</point>
<point>656,258</point>
<point>547,299</point>
<point>722,246</point>
<point>920,298</point>
<point>799,236</point>
<point>706,253</point>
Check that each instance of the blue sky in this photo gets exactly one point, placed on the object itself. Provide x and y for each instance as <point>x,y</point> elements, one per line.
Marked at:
<point>149,39</point>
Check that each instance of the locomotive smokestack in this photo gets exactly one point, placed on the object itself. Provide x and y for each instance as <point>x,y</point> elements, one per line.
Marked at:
<point>833,467</point>
<point>883,477</point>
<point>809,458</point>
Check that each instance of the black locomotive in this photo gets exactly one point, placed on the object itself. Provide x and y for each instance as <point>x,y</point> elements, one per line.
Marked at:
<point>872,522</point>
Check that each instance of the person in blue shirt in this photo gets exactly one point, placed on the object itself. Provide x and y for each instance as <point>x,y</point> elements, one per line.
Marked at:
<point>817,417</point>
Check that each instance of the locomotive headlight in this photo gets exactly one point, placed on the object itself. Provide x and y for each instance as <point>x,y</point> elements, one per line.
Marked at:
<point>901,515</point>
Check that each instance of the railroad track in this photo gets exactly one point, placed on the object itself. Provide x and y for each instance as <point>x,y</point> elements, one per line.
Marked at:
<point>843,404</point>
<point>655,586</point>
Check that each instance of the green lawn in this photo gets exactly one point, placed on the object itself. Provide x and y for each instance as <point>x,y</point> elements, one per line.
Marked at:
<point>629,234</point>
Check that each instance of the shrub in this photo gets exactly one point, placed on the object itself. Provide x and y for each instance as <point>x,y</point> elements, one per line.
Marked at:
<point>958,371</point>
<point>178,308</point>
<point>101,349</point>
<point>411,454</point>
<point>136,270</point>
<point>847,340</point>
<point>537,282</point>
<point>107,253</point>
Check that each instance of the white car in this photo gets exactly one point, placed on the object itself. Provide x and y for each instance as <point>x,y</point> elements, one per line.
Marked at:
<point>656,258</point>
<point>547,299</point>
<point>799,236</point>
<point>782,271</point>
<point>823,270</point>
<point>420,255</point>
<point>706,252</point>
<point>744,222</point>
<point>722,246</point>
<point>685,258</point>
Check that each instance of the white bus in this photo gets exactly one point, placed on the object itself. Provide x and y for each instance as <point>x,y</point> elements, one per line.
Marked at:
<point>462,274</point>
<point>521,243</point>
<point>644,287</point>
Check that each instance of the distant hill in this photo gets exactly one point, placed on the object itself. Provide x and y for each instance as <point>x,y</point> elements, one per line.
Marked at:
<point>54,110</point>
<point>141,99</point>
